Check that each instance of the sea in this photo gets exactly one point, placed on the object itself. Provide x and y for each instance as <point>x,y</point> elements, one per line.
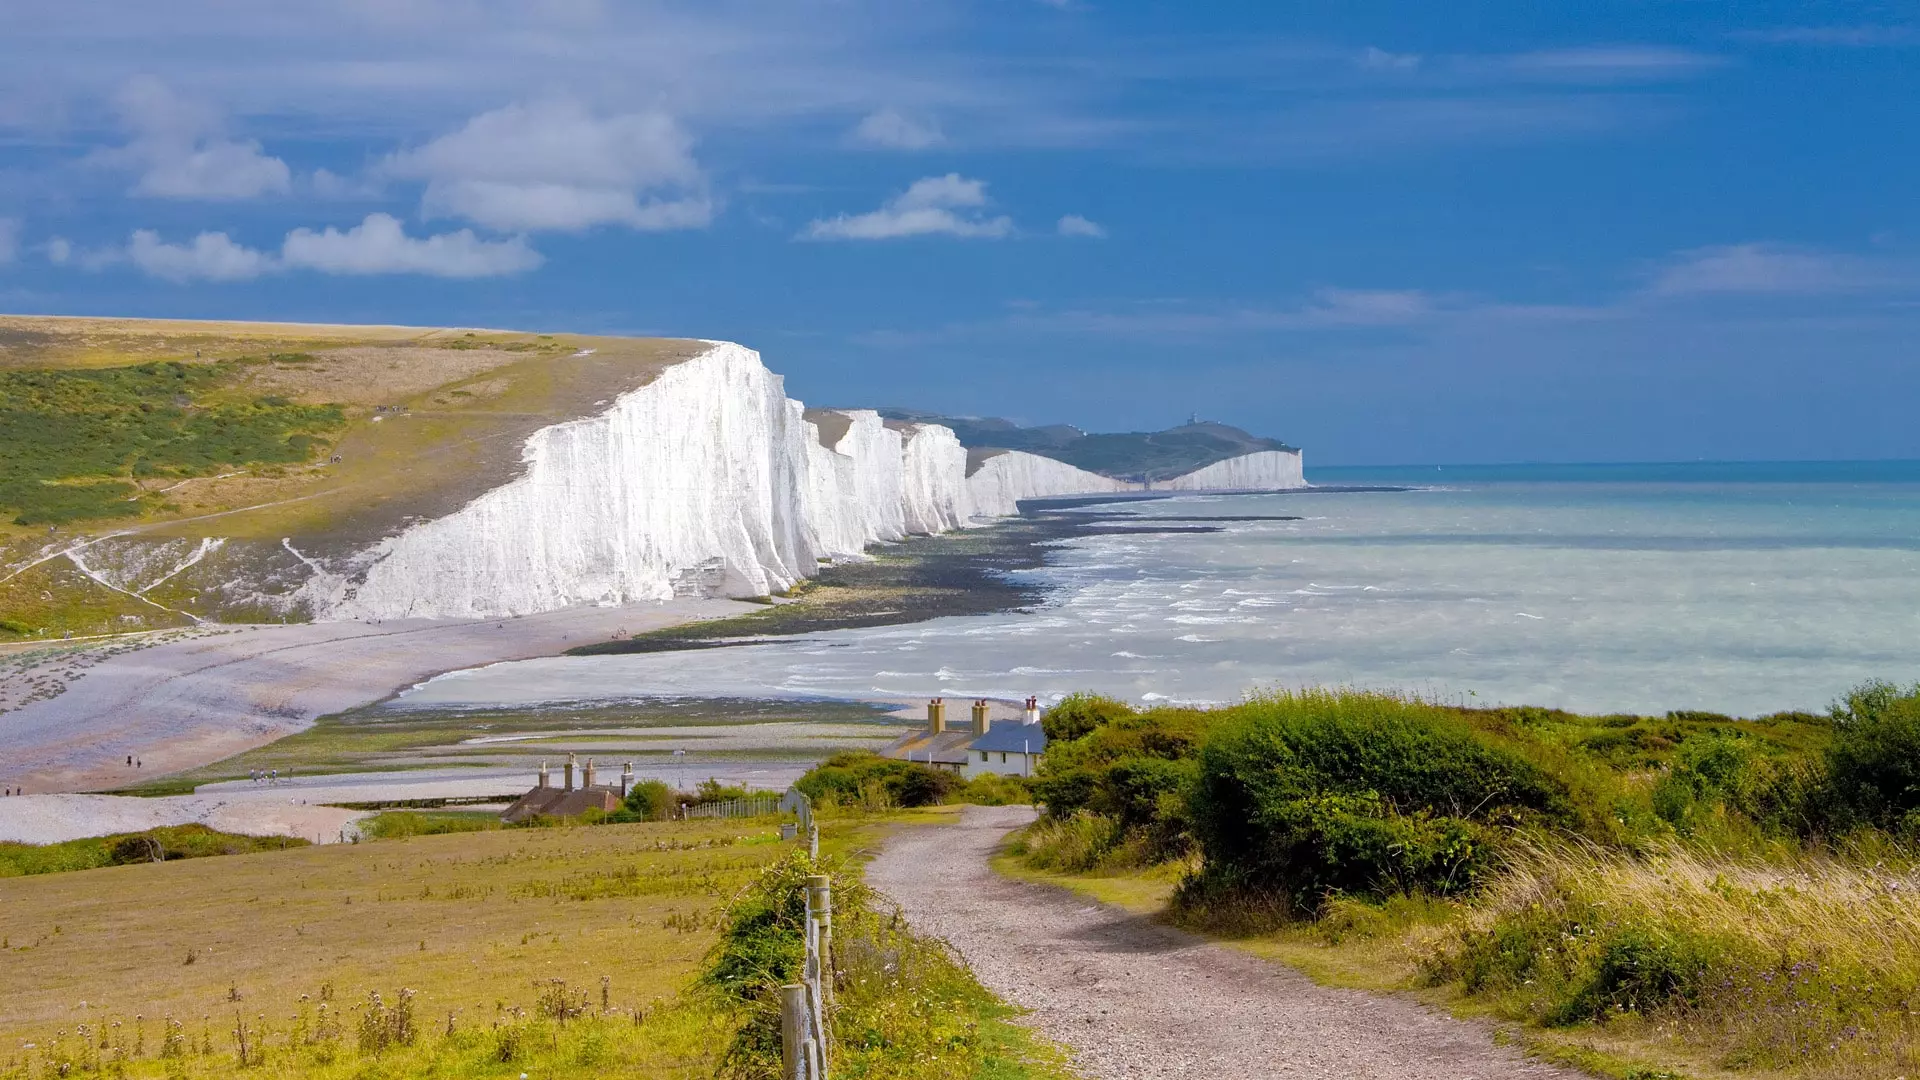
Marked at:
<point>1738,588</point>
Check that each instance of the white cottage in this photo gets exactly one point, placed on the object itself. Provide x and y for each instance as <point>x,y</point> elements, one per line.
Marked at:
<point>1008,749</point>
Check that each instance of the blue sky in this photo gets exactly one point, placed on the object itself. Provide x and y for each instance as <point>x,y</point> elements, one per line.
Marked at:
<point>1391,233</point>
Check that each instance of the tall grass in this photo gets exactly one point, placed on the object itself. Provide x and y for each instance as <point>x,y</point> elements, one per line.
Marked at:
<point>1804,962</point>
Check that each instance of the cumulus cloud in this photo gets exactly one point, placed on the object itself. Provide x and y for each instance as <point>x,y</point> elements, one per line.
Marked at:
<point>553,165</point>
<point>180,150</point>
<point>380,245</point>
<point>1075,225</point>
<point>1765,269</point>
<point>950,205</point>
<point>211,256</point>
<point>894,130</point>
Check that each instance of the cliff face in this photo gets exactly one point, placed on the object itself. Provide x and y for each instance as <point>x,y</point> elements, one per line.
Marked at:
<point>1267,470</point>
<point>707,479</point>
<point>707,466</point>
<point>1004,479</point>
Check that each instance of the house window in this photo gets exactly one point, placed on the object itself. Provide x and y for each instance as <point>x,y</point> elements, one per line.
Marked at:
<point>1003,757</point>
<point>983,755</point>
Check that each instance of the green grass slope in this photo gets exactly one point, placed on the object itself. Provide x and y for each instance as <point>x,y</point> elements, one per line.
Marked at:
<point>159,433</point>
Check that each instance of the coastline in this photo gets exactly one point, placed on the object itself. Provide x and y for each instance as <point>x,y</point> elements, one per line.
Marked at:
<point>191,702</point>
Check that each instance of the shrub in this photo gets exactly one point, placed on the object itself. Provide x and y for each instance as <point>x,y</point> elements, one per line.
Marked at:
<point>650,800</point>
<point>1307,794</point>
<point>713,791</point>
<point>1125,766</point>
<point>1077,842</point>
<point>1873,763</point>
<point>1078,714</point>
<point>995,789</point>
<point>856,778</point>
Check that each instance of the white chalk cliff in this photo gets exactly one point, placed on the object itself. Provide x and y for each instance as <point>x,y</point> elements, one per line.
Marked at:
<point>1267,470</point>
<point>709,473</point>
<point>1002,480</point>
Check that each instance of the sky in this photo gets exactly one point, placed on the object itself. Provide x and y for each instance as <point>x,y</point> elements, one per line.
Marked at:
<point>1387,232</point>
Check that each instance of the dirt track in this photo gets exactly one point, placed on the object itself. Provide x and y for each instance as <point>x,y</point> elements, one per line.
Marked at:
<point>1135,999</point>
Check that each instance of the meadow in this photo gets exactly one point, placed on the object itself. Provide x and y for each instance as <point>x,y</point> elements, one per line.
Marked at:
<point>563,951</point>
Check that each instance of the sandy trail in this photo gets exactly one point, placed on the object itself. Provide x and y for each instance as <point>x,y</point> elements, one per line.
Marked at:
<point>196,700</point>
<point>1135,999</point>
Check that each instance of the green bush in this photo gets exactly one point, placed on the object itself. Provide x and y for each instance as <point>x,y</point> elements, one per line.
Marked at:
<point>1873,763</point>
<point>650,800</point>
<point>995,789</point>
<point>713,791</point>
<point>1071,844</point>
<point>1303,795</point>
<point>849,778</point>
<point>1077,714</point>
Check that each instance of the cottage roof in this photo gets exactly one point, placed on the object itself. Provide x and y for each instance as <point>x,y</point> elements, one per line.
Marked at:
<point>947,748</point>
<point>1011,739</point>
<point>559,802</point>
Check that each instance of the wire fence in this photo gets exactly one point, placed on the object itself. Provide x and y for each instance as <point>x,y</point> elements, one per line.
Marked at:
<point>751,806</point>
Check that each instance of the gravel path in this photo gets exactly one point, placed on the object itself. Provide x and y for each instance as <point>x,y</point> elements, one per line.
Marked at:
<point>1135,999</point>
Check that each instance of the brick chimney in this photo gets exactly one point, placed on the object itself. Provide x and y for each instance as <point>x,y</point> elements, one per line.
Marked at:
<point>569,772</point>
<point>936,715</point>
<point>586,779</point>
<point>543,775</point>
<point>981,721</point>
<point>1033,710</point>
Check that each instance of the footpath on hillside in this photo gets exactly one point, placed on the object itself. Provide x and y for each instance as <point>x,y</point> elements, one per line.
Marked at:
<point>1137,1000</point>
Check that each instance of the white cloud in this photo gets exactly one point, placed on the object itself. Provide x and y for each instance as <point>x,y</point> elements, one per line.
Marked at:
<point>1766,269</point>
<point>1367,307</point>
<point>554,165</point>
<point>59,250</point>
<point>181,152</point>
<point>9,240</point>
<point>894,130</point>
<point>380,245</point>
<point>1075,225</point>
<point>212,256</point>
<point>932,206</point>
<point>1376,59</point>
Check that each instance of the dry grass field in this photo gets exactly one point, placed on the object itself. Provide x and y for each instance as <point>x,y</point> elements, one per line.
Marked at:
<point>286,948</point>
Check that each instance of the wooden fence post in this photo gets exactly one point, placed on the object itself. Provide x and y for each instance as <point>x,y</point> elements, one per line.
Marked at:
<point>795,1054</point>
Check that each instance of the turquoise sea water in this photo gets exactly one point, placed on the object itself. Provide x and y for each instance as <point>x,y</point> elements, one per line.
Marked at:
<point>1740,588</point>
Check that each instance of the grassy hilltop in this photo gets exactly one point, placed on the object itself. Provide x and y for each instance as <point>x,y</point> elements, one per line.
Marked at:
<point>335,435</point>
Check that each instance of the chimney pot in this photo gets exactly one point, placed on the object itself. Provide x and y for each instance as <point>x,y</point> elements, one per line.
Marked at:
<point>570,767</point>
<point>586,779</point>
<point>981,721</point>
<point>543,774</point>
<point>937,715</point>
